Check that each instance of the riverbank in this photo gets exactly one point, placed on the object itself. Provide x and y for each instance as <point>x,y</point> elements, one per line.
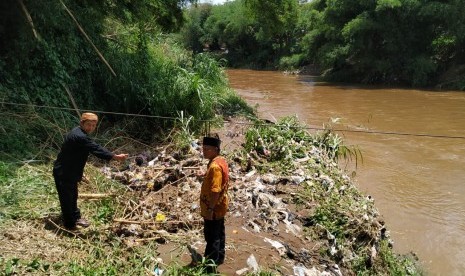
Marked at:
<point>292,209</point>
<point>404,173</point>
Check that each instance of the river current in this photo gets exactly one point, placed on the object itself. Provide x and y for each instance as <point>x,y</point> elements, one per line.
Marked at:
<point>417,181</point>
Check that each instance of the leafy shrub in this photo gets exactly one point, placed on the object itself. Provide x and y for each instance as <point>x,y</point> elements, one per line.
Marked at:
<point>291,62</point>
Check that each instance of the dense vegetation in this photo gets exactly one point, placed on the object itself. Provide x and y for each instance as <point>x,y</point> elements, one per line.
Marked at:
<point>116,56</point>
<point>47,48</point>
<point>408,42</point>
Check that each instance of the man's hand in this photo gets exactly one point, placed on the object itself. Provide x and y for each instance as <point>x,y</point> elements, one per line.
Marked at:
<point>210,214</point>
<point>120,157</point>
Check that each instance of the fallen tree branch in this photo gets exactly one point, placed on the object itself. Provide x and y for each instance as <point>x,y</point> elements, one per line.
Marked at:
<point>76,234</point>
<point>133,210</point>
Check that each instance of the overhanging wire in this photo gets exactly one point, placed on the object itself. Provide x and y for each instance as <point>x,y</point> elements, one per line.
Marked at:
<point>208,122</point>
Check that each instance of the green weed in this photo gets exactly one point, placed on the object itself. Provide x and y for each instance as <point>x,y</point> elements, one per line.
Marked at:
<point>26,192</point>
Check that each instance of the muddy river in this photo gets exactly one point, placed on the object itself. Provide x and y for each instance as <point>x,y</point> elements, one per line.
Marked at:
<point>417,181</point>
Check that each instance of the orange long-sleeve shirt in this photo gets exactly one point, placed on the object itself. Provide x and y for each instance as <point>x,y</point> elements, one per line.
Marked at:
<point>216,181</point>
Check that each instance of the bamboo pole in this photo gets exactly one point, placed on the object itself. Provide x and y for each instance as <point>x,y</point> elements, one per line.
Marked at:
<point>124,221</point>
<point>36,35</point>
<point>88,38</point>
<point>173,168</point>
<point>29,19</point>
<point>148,239</point>
<point>95,196</point>
<point>72,100</point>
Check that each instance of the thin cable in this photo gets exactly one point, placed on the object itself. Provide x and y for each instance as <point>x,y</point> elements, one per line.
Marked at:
<point>401,133</point>
<point>88,110</point>
<point>246,123</point>
<point>361,131</point>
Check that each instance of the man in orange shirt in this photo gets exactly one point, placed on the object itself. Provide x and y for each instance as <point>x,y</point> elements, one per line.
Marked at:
<point>214,200</point>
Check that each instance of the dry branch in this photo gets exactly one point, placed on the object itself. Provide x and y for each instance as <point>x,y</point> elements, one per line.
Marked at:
<point>95,196</point>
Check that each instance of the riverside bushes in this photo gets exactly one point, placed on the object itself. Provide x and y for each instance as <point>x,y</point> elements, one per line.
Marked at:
<point>43,58</point>
<point>402,42</point>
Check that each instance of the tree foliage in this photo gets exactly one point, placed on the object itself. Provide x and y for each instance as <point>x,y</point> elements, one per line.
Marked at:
<point>407,42</point>
<point>44,53</point>
<point>275,22</point>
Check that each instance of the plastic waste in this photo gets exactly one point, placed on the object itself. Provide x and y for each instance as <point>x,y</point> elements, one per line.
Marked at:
<point>252,263</point>
<point>157,271</point>
<point>160,217</point>
<point>299,270</point>
<point>276,244</point>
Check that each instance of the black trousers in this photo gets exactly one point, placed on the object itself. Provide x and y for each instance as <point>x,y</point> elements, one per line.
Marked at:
<point>215,237</point>
<point>68,194</point>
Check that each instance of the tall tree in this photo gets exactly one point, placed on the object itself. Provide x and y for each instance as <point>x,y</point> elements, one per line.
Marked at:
<point>276,21</point>
<point>448,44</point>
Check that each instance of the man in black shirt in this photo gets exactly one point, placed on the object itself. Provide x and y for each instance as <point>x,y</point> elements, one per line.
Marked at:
<point>69,167</point>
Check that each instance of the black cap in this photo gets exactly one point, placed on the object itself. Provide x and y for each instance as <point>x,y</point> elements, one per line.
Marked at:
<point>211,141</point>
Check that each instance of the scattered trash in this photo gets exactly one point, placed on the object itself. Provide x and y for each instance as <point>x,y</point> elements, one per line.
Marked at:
<point>160,217</point>
<point>168,188</point>
<point>157,271</point>
<point>242,271</point>
<point>279,246</point>
<point>300,270</point>
<point>252,263</point>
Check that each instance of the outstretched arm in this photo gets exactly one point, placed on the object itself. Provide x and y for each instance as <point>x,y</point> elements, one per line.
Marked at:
<point>120,157</point>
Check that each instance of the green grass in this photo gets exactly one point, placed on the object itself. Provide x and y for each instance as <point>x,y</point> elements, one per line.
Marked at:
<point>28,199</point>
<point>26,192</point>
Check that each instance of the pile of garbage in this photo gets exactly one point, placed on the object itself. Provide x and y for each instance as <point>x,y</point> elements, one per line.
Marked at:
<point>302,194</point>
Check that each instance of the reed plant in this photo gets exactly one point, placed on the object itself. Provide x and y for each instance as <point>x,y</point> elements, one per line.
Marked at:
<point>288,139</point>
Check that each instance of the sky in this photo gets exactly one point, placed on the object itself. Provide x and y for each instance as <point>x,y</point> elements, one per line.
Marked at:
<point>213,1</point>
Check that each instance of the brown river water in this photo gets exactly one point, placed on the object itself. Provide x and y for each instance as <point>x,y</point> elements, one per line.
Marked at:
<point>418,182</point>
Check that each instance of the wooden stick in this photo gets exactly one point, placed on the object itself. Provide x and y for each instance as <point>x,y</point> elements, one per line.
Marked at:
<point>92,196</point>
<point>88,39</point>
<point>123,221</point>
<point>63,229</point>
<point>29,19</point>
<point>191,168</point>
<point>72,100</point>
<point>133,210</point>
<point>172,168</point>
<point>148,239</point>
